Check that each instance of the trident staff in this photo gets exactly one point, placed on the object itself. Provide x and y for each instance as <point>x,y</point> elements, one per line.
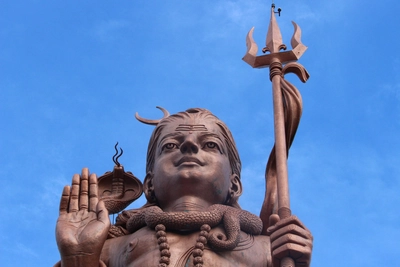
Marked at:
<point>287,112</point>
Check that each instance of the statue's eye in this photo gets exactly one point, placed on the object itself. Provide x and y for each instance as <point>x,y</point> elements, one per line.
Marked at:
<point>211,145</point>
<point>169,146</point>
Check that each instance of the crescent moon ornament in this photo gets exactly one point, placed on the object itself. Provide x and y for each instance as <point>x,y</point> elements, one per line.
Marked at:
<point>152,122</point>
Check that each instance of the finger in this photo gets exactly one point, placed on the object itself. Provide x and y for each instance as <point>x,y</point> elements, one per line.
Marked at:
<point>292,250</point>
<point>102,213</point>
<point>273,219</point>
<point>285,222</point>
<point>74,195</point>
<point>290,238</point>
<point>64,200</point>
<point>291,229</point>
<point>85,173</point>
<point>93,192</point>
<point>84,188</point>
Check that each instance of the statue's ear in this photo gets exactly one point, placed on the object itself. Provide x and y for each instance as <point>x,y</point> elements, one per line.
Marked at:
<point>235,191</point>
<point>148,188</point>
<point>236,187</point>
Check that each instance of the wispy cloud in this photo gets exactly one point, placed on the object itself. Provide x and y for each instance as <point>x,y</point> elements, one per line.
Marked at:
<point>306,12</point>
<point>217,20</point>
<point>21,249</point>
<point>237,12</point>
<point>52,191</point>
<point>40,202</point>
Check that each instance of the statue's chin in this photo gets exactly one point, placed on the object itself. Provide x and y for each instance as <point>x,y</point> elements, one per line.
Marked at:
<point>191,173</point>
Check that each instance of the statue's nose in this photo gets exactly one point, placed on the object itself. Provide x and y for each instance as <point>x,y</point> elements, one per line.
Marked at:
<point>189,146</point>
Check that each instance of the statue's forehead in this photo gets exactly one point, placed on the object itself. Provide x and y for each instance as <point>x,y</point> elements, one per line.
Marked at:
<point>198,126</point>
<point>192,125</point>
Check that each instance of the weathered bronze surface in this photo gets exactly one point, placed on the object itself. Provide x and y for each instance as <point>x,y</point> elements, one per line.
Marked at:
<point>192,216</point>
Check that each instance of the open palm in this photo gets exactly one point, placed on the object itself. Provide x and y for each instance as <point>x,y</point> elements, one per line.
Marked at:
<point>83,223</point>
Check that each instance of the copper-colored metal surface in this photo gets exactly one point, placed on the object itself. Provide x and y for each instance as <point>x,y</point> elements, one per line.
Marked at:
<point>152,122</point>
<point>118,189</point>
<point>280,137</point>
<point>287,112</point>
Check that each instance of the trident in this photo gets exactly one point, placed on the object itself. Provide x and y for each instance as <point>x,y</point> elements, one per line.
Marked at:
<point>287,105</point>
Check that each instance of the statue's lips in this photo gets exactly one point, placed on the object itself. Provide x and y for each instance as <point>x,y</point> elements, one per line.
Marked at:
<point>187,160</point>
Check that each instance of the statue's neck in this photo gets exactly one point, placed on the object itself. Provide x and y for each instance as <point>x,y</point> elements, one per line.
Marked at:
<point>187,204</point>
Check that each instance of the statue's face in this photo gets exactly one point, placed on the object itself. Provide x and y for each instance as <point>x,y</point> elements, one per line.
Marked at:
<point>191,160</point>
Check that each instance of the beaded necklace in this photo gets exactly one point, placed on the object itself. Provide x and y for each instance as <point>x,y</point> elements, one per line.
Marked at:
<point>198,251</point>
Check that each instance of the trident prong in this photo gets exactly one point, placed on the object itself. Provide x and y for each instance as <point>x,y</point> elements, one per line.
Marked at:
<point>274,45</point>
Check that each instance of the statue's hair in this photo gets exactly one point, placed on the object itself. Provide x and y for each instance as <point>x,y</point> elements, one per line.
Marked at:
<point>194,113</point>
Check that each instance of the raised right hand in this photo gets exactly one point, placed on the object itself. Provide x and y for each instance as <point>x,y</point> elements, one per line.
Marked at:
<point>83,223</point>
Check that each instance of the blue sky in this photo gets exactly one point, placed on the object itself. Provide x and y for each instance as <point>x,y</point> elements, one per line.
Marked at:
<point>72,75</point>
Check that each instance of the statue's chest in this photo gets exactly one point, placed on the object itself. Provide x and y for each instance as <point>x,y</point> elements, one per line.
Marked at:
<point>145,248</point>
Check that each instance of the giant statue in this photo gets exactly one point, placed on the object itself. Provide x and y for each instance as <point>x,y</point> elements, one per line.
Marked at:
<point>192,216</point>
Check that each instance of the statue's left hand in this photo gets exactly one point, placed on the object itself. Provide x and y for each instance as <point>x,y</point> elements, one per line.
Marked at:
<point>290,238</point>
<point>83,223</point>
